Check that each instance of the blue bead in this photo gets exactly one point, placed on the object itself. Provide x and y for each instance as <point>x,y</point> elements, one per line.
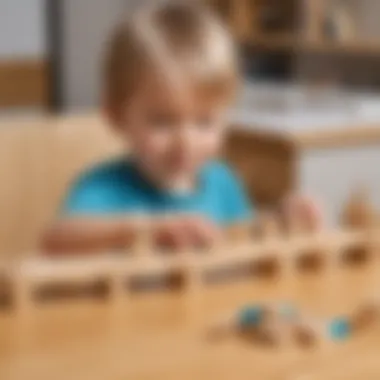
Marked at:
<point>250,316</point>
<point>339,329</point>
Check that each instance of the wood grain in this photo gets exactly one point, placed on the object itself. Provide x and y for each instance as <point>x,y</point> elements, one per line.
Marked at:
<point>338,137</point>
<point>154,336</point>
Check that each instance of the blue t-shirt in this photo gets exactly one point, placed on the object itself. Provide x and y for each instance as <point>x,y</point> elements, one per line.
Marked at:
<point>117,187</point>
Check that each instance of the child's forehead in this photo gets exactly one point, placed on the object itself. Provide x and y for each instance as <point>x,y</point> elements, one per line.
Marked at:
<point>156,91</point>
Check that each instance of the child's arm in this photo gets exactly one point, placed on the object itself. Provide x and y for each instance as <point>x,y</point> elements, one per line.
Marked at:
<point>93,218</point>
<point>88,235</point>
<point>92,235</point>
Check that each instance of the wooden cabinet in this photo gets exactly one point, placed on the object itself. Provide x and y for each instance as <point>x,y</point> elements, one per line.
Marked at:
<point>302,25</point>
<point>266,164</point>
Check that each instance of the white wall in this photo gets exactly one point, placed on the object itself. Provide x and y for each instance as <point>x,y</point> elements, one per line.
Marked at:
<point>334,174</point>
<point>87,27</point>
<point>22,28</point>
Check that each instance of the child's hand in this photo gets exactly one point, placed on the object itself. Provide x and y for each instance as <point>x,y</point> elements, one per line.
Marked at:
<point>304,211</point>
<point>185,231</point>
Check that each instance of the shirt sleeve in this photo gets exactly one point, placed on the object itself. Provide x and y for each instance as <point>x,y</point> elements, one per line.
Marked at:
<point>88,195</point>
<point>238,207</point>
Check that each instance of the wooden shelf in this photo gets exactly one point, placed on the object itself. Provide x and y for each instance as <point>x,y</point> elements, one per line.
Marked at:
<point>242,16</point>
<point>277,42</point>
<point>343,137</point>
<point>281,42</point>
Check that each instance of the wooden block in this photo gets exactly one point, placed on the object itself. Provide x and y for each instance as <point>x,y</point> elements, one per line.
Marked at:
<point>22,290</point>
<point>192,272</point>
<point>268,324</point>
<point>117,279</point>
<point>239,232</point>
<point>42,270</point>
<point>359,211</point>
<point>143,242</point>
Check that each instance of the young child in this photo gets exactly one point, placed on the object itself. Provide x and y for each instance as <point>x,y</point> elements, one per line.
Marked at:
<point>170,73</point>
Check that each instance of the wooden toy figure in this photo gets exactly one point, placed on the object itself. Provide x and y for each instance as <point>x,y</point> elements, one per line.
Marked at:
<point>274,324</point>
<point>256,322</point>
<point>309,332</point>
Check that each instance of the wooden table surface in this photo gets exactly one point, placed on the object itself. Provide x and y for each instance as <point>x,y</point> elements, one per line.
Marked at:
<point>161,335</point>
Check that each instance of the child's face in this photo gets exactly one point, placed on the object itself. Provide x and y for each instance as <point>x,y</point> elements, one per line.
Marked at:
<point>172,133</point>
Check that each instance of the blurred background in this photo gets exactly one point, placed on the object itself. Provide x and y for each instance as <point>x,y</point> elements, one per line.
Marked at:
<point>309,103</point>
<point>50,50</point>
<point>306,119</point>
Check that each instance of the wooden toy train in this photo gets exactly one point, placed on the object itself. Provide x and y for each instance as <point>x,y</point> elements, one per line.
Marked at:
<point>360,230</point>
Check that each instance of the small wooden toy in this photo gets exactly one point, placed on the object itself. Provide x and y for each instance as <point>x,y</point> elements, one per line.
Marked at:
<point>358,211</point>
<point>310,332</point>
<point>278,323</point>
<point>257,322</point>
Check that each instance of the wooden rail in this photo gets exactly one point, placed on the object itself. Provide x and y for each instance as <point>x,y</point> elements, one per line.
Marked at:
<point>25,275</point>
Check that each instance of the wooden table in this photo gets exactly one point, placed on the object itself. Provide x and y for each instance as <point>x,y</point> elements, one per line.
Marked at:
<point>161,335</point>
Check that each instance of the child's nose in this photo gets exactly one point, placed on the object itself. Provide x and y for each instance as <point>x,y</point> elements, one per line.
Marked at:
<point>185,136</point>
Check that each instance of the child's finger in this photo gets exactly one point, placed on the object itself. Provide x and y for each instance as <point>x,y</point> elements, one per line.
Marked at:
<point>203,233</point>
<point>181,237</point>
<point>313,215</point>
<point>171,235</point>
<point>305,210</point>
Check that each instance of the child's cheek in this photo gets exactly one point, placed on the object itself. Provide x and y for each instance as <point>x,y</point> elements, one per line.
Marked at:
<point>154,145</point>
<point>210,144</point>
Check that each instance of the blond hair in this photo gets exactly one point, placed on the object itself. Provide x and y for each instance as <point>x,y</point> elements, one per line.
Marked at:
<point>177,39</point>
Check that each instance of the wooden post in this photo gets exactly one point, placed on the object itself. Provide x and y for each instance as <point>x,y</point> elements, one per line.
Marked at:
<point>22,289</point>
<point>143,239</point>
<point>242,19</point>
<point>313,19</point>
<point>358,212</point>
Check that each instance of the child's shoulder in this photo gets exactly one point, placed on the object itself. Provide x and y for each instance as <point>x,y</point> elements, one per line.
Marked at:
<point>100,188</point>
<point>105,172</point>
<point>219,171</point>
